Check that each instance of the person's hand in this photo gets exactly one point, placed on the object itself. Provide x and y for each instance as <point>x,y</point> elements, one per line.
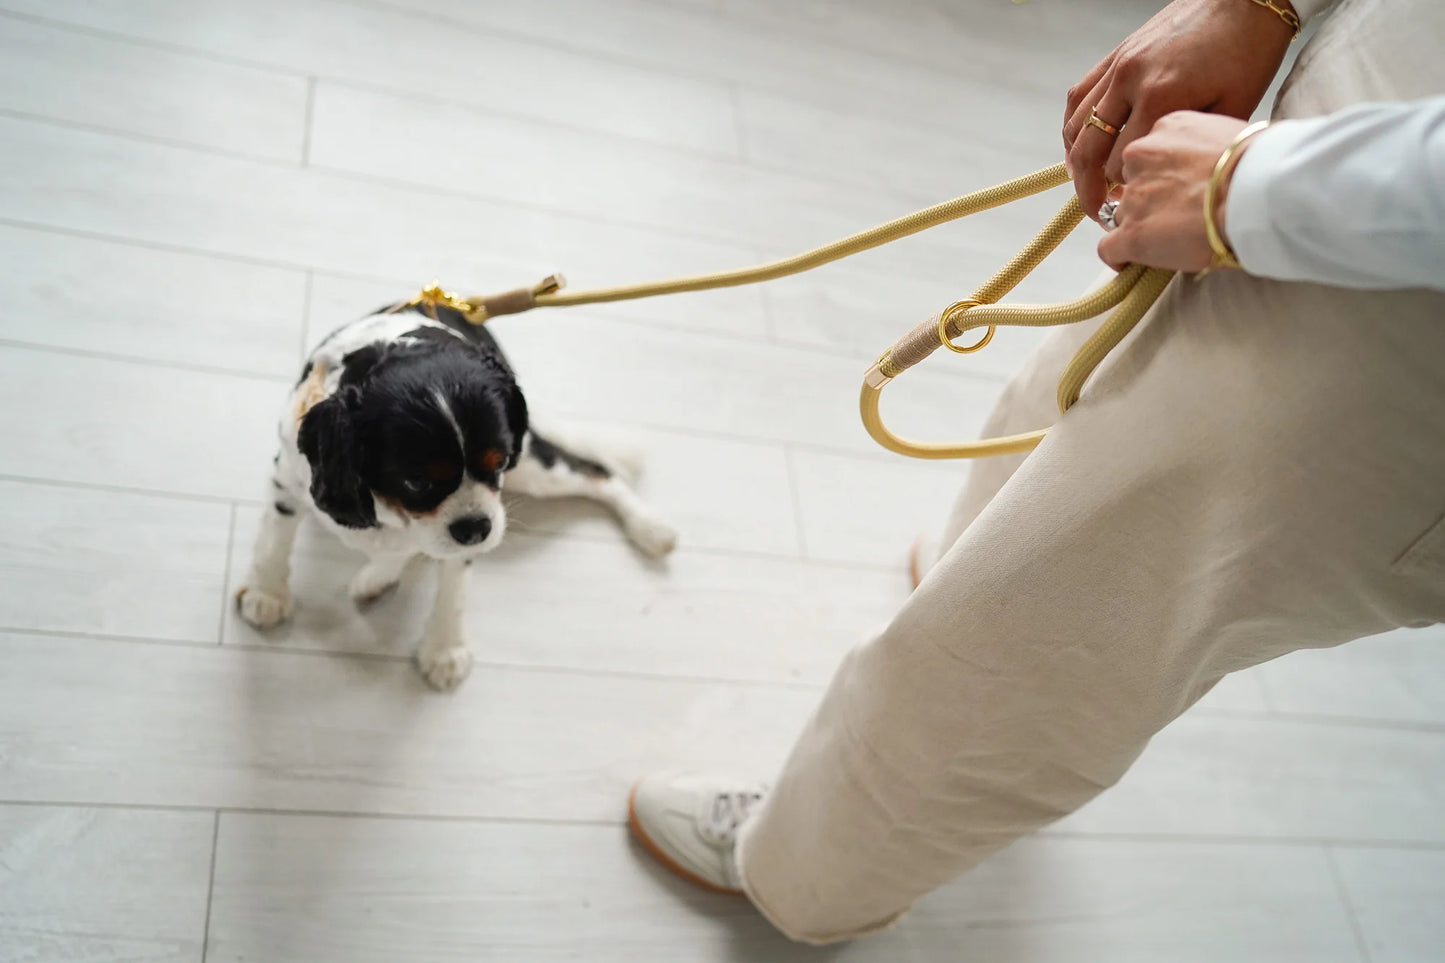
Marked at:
<point>1160,216</point>
<point>1212,55</point>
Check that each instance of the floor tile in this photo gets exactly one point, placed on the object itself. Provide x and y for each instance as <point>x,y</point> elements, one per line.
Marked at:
<point>1092,900</point>
<point>1398,676</point>
<point>377,47</point>
<point>870,510</point>
<point>307,218</point>
<point>154,305</point>
<point>595,604</point>
<point>321,889</point>
<point>92,721</point>
<point>862,313</point>
<point>1209,775</point>
<point>1398,897</point>
<point>110,84</point>
<point>73,560</point>
<point>96,884</point>
<point>137,425</point>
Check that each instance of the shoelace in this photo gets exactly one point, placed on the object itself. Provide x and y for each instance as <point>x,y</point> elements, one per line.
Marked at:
<point>729,810</point>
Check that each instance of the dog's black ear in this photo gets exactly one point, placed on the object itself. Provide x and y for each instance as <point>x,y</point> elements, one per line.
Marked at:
<point>329,440</point>
<point>517,420</point>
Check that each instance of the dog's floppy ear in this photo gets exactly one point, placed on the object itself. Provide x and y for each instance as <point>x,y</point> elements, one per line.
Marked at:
<point>517,420</point>
<point>329,440</point>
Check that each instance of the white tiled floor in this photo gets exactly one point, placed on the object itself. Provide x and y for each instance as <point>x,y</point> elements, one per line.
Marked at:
<point>193,190</point>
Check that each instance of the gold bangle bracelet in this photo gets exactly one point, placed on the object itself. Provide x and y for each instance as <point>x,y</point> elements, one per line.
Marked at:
<point>1223,253</point>
<point>1290,18</point>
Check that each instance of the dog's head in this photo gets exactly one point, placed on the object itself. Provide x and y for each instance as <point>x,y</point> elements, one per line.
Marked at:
<point>417,435</point>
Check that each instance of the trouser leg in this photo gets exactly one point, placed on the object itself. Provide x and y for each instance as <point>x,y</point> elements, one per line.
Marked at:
<point>1028,402</point>
<point>1262,468</point>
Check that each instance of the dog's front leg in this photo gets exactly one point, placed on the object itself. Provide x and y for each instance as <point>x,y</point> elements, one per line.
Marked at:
<point>443,657</point>
<point>264,599</point>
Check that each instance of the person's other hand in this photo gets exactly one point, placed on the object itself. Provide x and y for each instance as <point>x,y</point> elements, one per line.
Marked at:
<point>1211,55</point>
<point>1161,213</point>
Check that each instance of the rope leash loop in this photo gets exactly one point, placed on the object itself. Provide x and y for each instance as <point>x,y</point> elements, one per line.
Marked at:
<point>1130,294</point>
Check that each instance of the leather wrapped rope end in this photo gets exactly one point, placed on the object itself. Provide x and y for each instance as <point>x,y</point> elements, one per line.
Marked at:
<point>484,308</point>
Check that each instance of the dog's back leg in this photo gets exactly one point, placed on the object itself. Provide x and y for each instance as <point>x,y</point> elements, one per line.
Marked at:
<point>547,469</point>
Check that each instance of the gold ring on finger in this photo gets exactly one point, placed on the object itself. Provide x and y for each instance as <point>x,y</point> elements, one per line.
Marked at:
<point>1096,121</point>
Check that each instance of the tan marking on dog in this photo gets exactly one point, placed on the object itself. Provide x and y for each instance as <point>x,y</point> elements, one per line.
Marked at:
<point>310,392</point>
<point>401,509</point>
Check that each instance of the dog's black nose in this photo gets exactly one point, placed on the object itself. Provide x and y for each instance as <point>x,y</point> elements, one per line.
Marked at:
<point>471,530</point>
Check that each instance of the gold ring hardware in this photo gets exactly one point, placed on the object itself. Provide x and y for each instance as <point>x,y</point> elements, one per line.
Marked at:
<point>953,311</point>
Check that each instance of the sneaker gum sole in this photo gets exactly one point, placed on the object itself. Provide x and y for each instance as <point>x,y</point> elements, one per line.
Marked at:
<point>915,571</point>
<point>648,844</point>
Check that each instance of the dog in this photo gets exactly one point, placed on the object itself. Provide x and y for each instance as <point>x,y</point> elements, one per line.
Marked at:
<point>398,438</point>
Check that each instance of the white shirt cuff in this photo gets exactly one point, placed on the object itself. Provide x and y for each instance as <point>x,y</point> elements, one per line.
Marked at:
<point>1252,231</point>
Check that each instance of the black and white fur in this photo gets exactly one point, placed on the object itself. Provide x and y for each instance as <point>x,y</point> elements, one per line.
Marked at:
<point>399,436</point>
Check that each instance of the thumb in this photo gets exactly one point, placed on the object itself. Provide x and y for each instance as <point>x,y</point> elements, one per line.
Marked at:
<point>1117,248</point>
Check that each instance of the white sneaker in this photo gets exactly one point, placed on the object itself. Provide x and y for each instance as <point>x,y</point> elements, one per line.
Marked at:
<point>690,822</point>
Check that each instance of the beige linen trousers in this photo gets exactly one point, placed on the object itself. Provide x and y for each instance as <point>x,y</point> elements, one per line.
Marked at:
<point>1259,468</point>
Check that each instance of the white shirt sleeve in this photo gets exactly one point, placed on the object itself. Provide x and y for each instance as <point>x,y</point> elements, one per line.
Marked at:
<point>1307,10</point>
<point>1355,199</point>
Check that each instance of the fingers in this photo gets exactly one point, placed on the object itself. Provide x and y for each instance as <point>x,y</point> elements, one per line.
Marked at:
<point>1119,246</point>
<point>1087,90</point>
<point>1141,121</point>
<point>1074,124</point>
<point>1092,147</point>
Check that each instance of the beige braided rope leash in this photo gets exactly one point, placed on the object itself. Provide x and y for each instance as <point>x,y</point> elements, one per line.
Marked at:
<point>1130,294</point>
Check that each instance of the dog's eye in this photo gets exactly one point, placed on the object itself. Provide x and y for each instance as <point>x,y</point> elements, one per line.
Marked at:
<point>415,486</point>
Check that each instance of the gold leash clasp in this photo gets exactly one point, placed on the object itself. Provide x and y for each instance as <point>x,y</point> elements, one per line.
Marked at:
<point>433,296</point>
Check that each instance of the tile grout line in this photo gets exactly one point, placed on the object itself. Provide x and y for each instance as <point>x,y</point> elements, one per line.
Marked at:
<point>739,86</point>
<point>1347,903</point>
<point>662,72</point>
<point>139,41</point>
<point>398,659</point>
<point>865,454</point>
<point>739,128</point>
<point>130,490</point>
<point>533,532</point>
<point>799,528</point>
<point>211,886</point>
<point>50,120</point>
<point>636,321</point>
<point>905,201</point>
<point>143,361</point>
<point>306,295</point>
<point>938,72</point>
<point>1317,720</point>
<point>1313,842</point>
<point>226,576</point>
<point>1266,694</point>
<point>308,121</point>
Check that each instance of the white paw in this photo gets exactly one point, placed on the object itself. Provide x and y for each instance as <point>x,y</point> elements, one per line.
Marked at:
<point>652,536</point>
<point>444,669</point>
<point>367,586</point>
<point>263,609</point>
